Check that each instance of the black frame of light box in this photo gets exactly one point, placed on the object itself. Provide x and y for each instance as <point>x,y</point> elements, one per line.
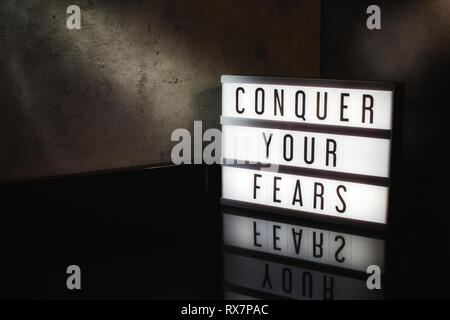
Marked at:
<point>397,89</point>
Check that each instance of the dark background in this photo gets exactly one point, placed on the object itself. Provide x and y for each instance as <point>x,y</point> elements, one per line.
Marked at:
<point>135,234</point>
<point>413,48</point>
<point>94,100</point>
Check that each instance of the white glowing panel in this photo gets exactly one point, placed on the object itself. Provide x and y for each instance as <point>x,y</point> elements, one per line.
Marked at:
<point>359,155</point>
<point>310,244</point>
<point>308,145</point>
<point>364,108</point>
<point>322,196</point>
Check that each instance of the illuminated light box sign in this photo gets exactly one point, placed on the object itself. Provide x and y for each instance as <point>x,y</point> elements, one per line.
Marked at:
<point>307,146</point>
<point>326,247</point>
<point>294,282</point>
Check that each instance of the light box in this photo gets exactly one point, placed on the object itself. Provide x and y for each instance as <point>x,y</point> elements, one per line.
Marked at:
<point>310,147</point>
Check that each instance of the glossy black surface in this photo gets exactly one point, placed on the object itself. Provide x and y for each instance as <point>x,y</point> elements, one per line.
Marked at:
<point>157,234</point>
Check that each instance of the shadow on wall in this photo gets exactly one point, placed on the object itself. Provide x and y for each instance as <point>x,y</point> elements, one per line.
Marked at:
<point>110,95</point>
<point>412,47</point>
<point>208,107</point>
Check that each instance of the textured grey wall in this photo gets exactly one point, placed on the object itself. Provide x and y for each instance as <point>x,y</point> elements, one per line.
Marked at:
<point>109,95</point>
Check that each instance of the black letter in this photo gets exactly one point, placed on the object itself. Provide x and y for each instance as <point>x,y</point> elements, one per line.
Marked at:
<point>302,115</point>
<point>305,151</point>
<point>255,234</point>
<point>340,198</point>
<point>343,106</point>
<point>367,108</point>
<point>299,192</point>
<point>237,100</point>
<point>275,189</point>
<point>254,184</point>
<point>291,153</point>
<point>266,277</point>
<point>310,283</point>
<point>298,242</point>
<point>324,106</point>
<point>275,237</point>
<point>318,195</point>
<point>328,289</point>
<point>287,289</point>
<point>256,101</point>
<point>317,245</point>
<point>267,143</point>
<point>331,151</point>
<point>336,255</point>
<point>276,99</point>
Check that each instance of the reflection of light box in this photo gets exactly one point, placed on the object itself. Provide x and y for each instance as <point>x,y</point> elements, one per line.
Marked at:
<point>272,256</point>
<point>316,148</point>
<point>256,277</point>
<point>299,242</point>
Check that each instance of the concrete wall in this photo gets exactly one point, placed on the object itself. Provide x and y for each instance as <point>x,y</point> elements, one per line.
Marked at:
<point>110,95</point>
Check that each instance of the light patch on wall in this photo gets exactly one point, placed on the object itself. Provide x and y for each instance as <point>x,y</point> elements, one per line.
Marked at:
<point>110,94</point>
